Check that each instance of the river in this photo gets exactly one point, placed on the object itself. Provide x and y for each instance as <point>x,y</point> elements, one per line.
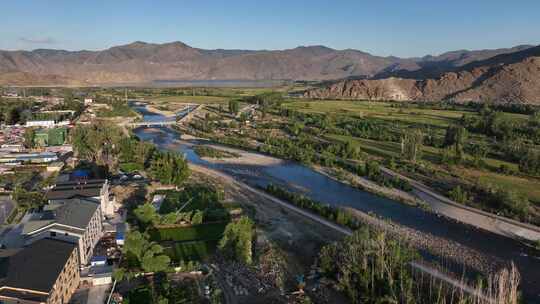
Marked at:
<point>296,177</point>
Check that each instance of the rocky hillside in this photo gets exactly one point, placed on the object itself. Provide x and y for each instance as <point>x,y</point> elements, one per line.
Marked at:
<point>509,77</point>
<point>141,62</point>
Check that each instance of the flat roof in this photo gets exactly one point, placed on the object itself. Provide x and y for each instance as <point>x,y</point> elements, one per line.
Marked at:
<point>72,189</point>
<point>38,266</point>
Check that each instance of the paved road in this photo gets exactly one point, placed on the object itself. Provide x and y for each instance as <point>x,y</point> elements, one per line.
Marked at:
<point>472,216</point>
<point>92,295</point>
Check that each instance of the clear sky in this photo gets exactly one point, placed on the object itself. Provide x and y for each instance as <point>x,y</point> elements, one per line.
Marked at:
<point>381,27</point>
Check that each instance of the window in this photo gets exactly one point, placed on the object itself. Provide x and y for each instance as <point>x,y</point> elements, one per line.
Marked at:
<point>53,233</point>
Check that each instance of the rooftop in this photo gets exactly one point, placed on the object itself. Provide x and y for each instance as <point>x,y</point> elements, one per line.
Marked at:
<point>31,269</point>
<point>73,213</point>
<point>73,189</point>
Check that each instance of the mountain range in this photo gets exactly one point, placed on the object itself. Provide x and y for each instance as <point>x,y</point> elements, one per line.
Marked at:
<point>510,77</point>
<point>512,73</point>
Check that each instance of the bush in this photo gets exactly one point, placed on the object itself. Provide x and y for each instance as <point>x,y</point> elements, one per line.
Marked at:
<point>459,195</point>
<point>204,151</point>
<point>338,215</point>
<point>131,167</point>
<point>237,241</point>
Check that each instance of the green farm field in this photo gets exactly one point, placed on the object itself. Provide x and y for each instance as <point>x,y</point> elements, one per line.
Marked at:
<point>387,111</point>
<point>414,116</point>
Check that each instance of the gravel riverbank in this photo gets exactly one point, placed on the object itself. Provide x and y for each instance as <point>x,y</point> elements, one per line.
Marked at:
<point>443,249</point>
<point>448,254</point>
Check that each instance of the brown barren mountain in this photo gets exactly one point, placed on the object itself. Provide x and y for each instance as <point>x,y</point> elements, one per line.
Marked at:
<point>506,75</point>
<point>509,77</point>
<point>143,63</point>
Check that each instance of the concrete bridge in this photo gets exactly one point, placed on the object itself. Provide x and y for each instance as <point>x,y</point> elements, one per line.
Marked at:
<point>179,117</point>
<point>152,123</point>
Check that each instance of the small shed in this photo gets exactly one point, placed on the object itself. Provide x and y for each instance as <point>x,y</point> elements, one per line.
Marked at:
<point>119,238</point>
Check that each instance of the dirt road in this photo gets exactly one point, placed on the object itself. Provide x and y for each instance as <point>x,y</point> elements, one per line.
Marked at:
<point>329,226</point>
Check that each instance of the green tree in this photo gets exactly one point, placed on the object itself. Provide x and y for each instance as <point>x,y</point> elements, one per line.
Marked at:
<point>97,143</point>
<point>456,137</point>
<point>28,199</point>
<point>147,255</point>
<point>350,150</point>
<point>154,260</point>
<point>237,240</point>
<point>296,128</point>
<point>411,145</point>
<point>243,117</point>
<point>146,214</point>
<point>479,152</point>
<point>372,170</point>
<point>459,195</point>
<point>534,119</point>
<point>530,162</point>
<point>368,267</point>
<point>132,150</point>
<point>513,201</point>
<point>12,116</point>
<point>197,218</point>
<point>234,106</point>
<point>29,136</point>
<point>169,168</point>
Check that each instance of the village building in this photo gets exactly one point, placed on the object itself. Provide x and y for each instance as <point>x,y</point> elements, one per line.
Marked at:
<point>45,272</point>
<point>96,190</point>
<point>76,221</point>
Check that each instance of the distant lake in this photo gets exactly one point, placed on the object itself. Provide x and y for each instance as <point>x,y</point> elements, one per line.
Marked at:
<point>221,83</point>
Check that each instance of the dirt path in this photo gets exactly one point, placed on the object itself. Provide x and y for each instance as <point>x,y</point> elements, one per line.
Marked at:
<point>300,237</point>
<point>473,259</point>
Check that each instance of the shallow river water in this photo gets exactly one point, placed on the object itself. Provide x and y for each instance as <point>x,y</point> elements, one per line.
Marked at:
<point>296,177</point>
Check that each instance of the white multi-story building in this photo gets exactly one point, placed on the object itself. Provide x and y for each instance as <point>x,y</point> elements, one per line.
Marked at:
<point>41,123</point>
<point>34,158</point>
<point>76,221</point>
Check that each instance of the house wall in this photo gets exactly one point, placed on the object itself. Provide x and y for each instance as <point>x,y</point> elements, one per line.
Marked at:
<point>67,281</point>
<point>58,233</point>
<point>86,241</point>
<point>106,205</point>
<point>91,237</point>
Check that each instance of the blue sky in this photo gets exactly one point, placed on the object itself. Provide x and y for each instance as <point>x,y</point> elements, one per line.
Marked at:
<point>383,27</point>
